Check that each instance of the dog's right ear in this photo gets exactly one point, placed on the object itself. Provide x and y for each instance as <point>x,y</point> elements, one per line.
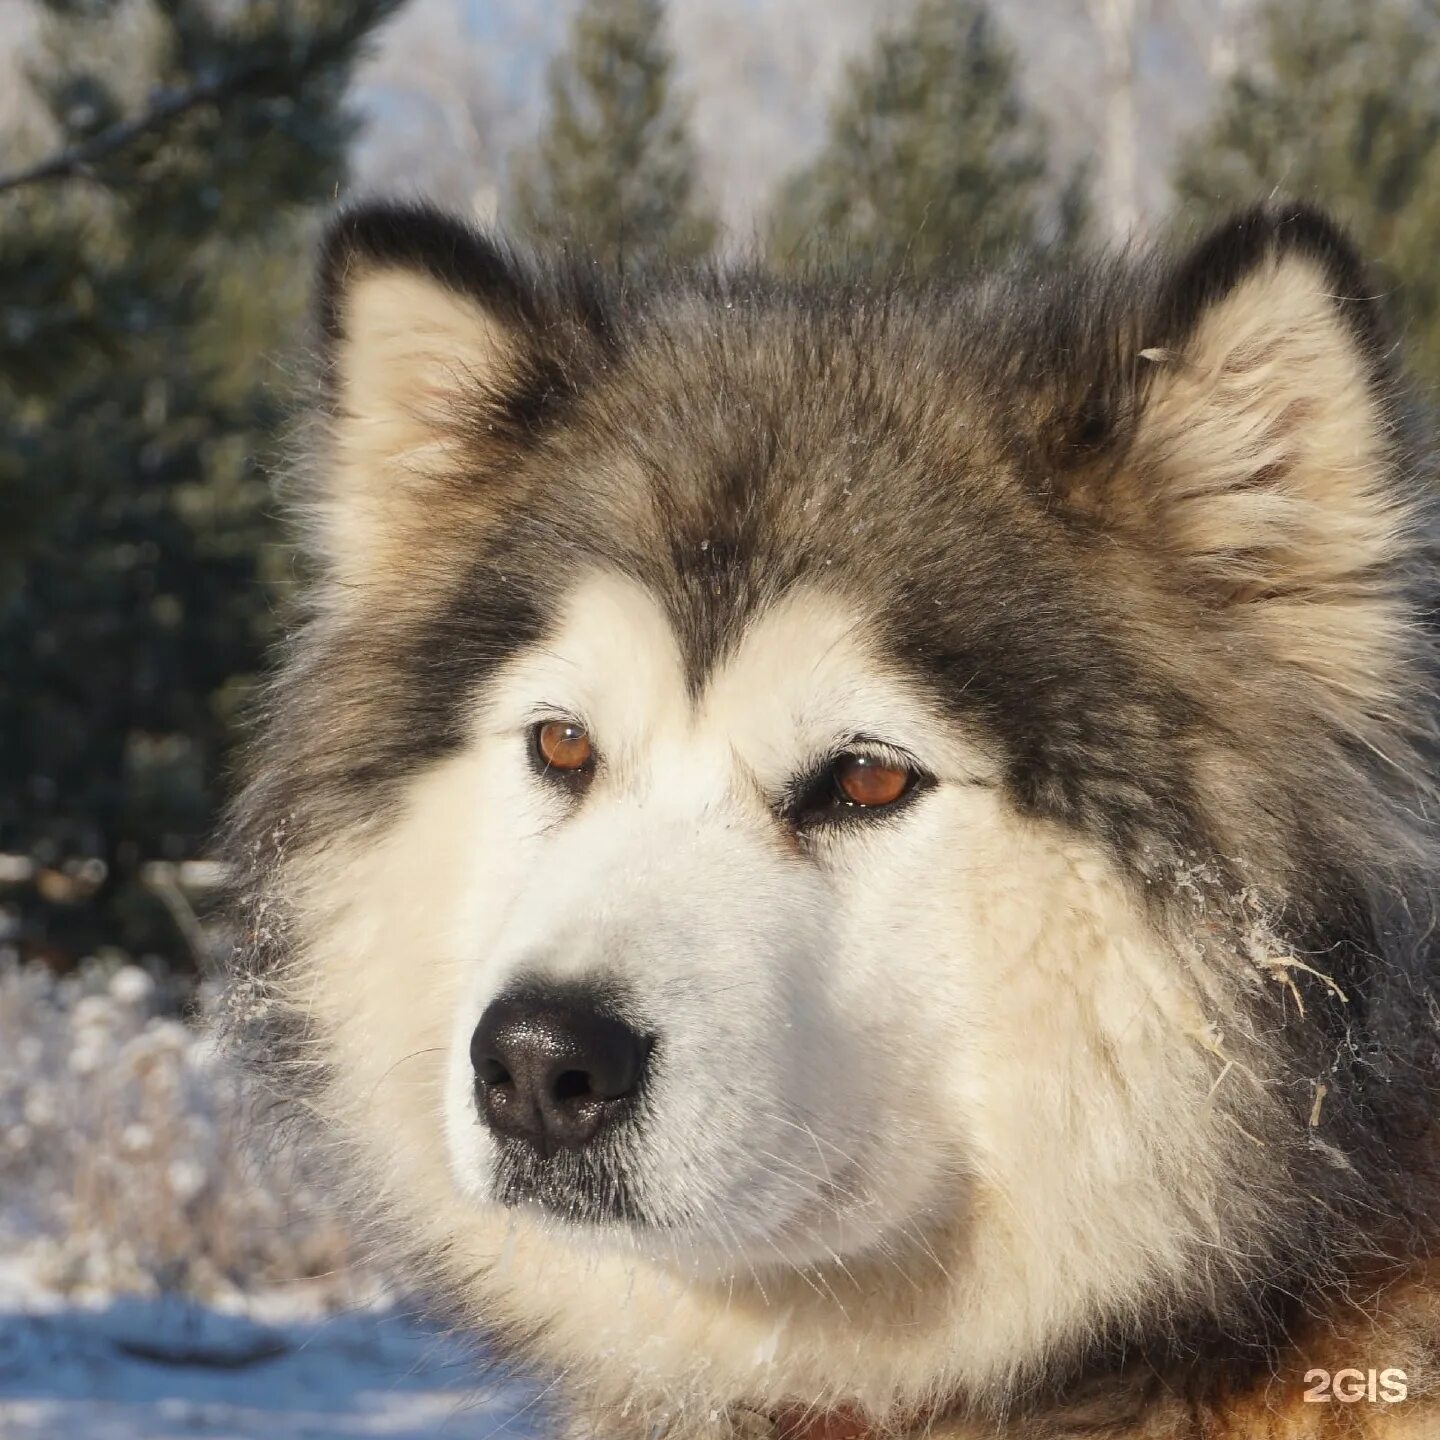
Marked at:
<point>442,357</point>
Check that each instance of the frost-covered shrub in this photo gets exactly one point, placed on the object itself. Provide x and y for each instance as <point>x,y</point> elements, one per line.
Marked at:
<point>124,1149</point>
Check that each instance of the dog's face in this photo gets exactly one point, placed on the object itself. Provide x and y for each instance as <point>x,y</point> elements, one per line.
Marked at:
<point>748,873</point>
<point>818,817</point>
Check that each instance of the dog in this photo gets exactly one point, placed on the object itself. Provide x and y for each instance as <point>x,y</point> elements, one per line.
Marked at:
<point>846,857</point>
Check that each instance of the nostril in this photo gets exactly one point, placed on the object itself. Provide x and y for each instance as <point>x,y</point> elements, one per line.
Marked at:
<point>553,1067</point>
<point>572,1085</point>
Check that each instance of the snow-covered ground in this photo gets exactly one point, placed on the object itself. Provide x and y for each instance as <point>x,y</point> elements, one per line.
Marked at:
<point>158,1280</point>
<point>163,1368</point>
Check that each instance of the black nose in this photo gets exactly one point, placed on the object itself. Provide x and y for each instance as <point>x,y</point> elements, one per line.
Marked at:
<point>554,1068</point>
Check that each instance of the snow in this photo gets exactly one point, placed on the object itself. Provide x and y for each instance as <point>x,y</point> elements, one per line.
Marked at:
<point>163,1368</point>
<point>157,1281</point>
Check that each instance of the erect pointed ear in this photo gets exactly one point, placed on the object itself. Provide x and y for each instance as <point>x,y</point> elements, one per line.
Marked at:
<point>1260,447</point>
<point>443,356</point>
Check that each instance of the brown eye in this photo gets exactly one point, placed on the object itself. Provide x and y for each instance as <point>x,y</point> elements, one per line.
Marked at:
<point>563,745</point>
<point>867,781</point>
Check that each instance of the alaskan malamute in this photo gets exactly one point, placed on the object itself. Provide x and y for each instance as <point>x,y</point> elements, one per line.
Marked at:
<point>850,858</point>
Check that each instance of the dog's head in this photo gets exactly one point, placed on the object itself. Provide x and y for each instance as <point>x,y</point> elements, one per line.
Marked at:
<point>837,844</point>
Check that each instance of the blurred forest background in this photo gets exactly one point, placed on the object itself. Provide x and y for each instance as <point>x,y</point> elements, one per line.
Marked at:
<point>164,165</point>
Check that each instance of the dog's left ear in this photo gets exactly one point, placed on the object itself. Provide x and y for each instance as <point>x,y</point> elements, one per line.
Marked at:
<point>1256,414</point>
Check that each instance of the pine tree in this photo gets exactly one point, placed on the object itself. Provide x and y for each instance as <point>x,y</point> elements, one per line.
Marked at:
<point>614,171</point>
<point>933,160</point>
<point>145,268</point>
<point>1342,107</point>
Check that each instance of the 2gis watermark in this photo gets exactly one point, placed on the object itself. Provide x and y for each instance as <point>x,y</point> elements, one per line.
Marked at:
<point>1352,1386</point>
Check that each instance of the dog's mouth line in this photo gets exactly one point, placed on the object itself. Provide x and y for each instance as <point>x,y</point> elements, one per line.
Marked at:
<point>544,1188</point>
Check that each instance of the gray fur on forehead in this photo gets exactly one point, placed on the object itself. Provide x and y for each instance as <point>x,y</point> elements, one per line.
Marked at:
<point>964,462</point>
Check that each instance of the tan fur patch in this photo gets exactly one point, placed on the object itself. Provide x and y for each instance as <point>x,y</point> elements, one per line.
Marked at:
<point>413,352</point>
<point>1265,463</point>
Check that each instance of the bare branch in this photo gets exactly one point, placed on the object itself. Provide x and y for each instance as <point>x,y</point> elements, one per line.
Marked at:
<point>322,50</point>
<point>76,160</point>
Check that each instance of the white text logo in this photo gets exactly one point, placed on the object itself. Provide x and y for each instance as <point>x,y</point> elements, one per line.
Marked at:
<point>1349,1386</point>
